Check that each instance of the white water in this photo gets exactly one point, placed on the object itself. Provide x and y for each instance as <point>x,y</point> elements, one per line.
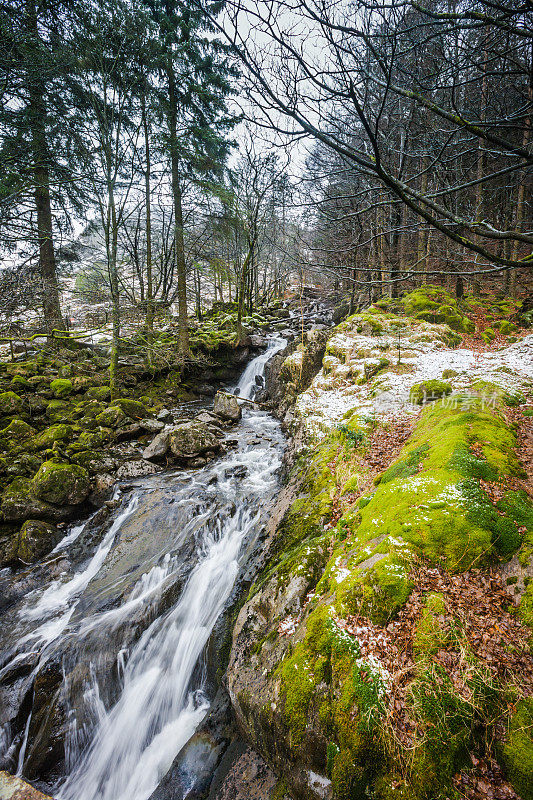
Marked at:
<point>247,385</point>
<point>121,751</point>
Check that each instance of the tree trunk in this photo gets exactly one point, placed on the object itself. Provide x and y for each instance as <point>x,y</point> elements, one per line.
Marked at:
<point>149,318</point>
<point>181,269</point>
<point>37,121</point>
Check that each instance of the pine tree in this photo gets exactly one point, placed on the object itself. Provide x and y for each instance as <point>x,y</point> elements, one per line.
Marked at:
<point>196,72</point>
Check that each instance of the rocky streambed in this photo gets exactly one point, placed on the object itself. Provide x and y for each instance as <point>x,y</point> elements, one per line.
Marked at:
<point>108,661</point>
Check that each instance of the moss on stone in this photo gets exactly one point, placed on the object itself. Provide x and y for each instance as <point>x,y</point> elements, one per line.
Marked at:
<point>517,751</point>
<point>10,404</point>
<point>55,433</point>
<point>61,483</point>
<point>426,391</point>
<point>61,387</point>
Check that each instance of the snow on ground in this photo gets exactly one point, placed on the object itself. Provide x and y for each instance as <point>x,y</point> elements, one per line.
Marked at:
<point>340,386</point>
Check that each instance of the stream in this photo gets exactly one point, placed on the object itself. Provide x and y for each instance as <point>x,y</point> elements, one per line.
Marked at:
<point>105,653</point>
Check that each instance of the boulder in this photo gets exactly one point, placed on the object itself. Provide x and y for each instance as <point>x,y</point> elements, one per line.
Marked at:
<point>257,341</point>
<point>19,504</point>
<point>152,425</point>
<point>48,437</point>
<point>158,447</point>
<point>18,430</point>
<point>132,408</point>
<point>99,392</point>
<point>34,540</point>
<point>61,483</point>
<point>61,387</point>
<point>136,469</point>
<point>227,407</point>
<point>191,439</point>
<point>10,403</point>
<point>17,789</point>
<point>112,417</point>
<point>164,414</point>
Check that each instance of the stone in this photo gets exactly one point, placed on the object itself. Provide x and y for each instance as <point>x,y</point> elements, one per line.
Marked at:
<point>99,392</point>
<point>152,425</point>
<point>164,414</point>
<point>61,387</point>
<point>10,403</point>
<point>111,417</point>
<point>47,438</point>
<point>132,408</point>
<point>257,341</point>
<point>19,503</point>
<point>227,407</point>
<point>158,447</point>
<point>61,483</point>
<point>34,540</point>
<point>131,431</point>
<point>17,429</point>
<point>136,469</point>
<point>192,439</point>
<point>12,788</point>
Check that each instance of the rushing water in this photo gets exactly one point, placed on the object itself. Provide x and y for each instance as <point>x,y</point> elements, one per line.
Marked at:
<point>130,621</point>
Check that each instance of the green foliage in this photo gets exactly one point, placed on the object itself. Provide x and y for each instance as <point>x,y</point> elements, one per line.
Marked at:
<point>429,390</point>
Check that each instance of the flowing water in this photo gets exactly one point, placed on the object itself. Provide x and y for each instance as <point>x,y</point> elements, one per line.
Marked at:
<point>127,619</point>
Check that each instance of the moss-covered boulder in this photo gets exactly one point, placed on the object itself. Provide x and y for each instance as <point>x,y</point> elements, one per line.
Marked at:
<point>34,540</point>
<point>61,483</point>
<point>227,407</point>
<point>10,404</point>
<point>17,431</point>
<point>191,439</point>
<point>112,417</point>
<point>55,433</point>
<point>311,674</point>
<point>19,503</point>
<point>61,387</point>
<point>427,391</point>
<point>131,408</point>
<point>99,392</point>
<point>517,750</point>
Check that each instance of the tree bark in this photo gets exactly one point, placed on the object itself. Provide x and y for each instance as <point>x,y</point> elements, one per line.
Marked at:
<point>37,121</point>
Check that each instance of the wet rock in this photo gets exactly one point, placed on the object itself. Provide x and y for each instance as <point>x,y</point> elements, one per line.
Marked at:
<point>136,469</point>
<point>131,431</point>
<point>240,471</point>
<point>164,414</point>
<point>227,407</point>
<point>61,484</point>
<point>205,389</point>
<point>19,503</point>
<point>152,425</point>
<point>158,447</point>
<point>12,788</point>
<point>257,341</point>
<point>191,439</point>
<point>102,485</point>
<point>34,540</point>
<point>196,463</point>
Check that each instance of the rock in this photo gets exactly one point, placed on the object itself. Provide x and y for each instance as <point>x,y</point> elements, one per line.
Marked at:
<point>19,503</point>
<point>12,788</point>
<point>61,387</point>
<point>95,461</point>
<point>152,425</point>
<point>132,408</point>
<point>227,407</point>
<point>34,540</point>
<point>10,403</point>
<point>17,429</point>
<point>191,439</point>
<point>131,431</point>
<point>240,471</point>
<point>61,484</point>
<point>205,389</point>
<point>197,462</point>
<point>257,341</point>
<point>55,433</point>
<point>101,486</point>
<point>158,447</point>
<point>164,414</point>
<point>111,417</point>
<point>136,469</point>
<point>99,392</point>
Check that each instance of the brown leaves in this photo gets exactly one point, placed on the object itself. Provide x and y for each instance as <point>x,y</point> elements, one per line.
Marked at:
<point>484,782</point>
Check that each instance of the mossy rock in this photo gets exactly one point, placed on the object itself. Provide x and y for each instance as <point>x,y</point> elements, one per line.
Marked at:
<point>17,430</point>
<point>61,387</point>
<point>10,404</point>
<point>112,417</point>
<point>20,383</point>
<point>35,539</point>
<point>55,433</point>
<point>19,503</point>
<point>25,465</point>
<point>426,391</point>
<point>506,327</point>
<point>517,750</point>
<point>61,483</point>
<point>132,408</point>
<point>99,392</point>
<point>488,335</point>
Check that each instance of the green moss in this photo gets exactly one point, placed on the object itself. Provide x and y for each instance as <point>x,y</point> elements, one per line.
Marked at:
<point>55,433</point>
<point>61,483</point>
<point>61,387</point>
<point>132,408</point>
<point>17,430</point>
<point>488,335</point>
<point>517,751</point>
<point>506,327</point>
<point>10,403</point>
<point>406,467</point>
<point>426,391</point>
<point>99,392</point>
<point>429,635</point>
